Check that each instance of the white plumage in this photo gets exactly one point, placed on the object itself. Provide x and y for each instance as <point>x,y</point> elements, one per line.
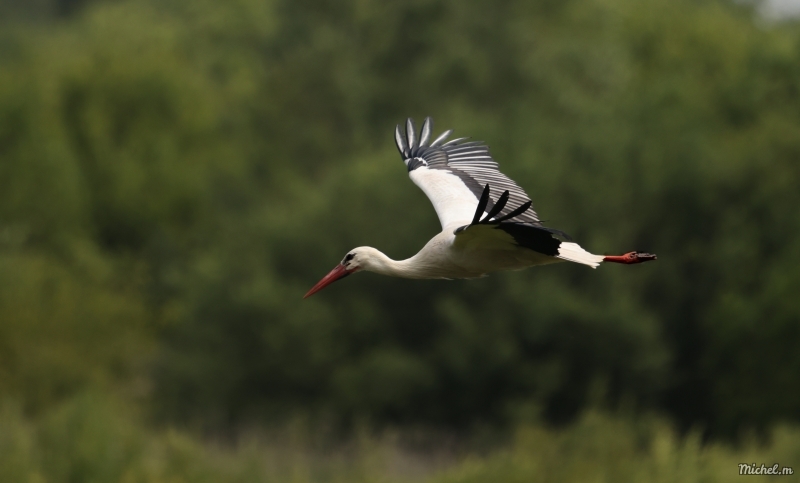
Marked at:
<point>453,201</point>
<point>572,252</point>
<point>487,222</point>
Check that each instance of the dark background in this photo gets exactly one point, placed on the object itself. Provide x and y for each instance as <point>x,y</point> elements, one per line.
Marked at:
<point>175,175</point>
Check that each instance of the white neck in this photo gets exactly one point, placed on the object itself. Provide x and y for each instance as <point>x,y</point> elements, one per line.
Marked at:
<point>414,267</point>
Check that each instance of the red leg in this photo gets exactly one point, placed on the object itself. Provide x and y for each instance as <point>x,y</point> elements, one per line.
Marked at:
<point>630,257</point>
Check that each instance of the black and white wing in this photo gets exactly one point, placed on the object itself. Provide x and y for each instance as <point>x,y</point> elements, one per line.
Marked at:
<point>453,175</point>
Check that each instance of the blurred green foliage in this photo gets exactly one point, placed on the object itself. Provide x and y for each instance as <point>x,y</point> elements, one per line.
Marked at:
<point>88,439</point>
<point>175,175</point>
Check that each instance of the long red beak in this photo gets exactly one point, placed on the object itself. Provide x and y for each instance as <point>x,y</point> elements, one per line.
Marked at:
<point>337,273</point>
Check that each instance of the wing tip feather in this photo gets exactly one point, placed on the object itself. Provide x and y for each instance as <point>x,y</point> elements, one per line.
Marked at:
<point>411,135</point>
<point>470,157</point>
<point>425,135</point>
<point>400,140</point>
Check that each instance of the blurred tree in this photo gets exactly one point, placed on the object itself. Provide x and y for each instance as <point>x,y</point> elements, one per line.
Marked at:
<point>190,168</point>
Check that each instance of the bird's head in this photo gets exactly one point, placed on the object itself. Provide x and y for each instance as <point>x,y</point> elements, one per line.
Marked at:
<point>357,259</point>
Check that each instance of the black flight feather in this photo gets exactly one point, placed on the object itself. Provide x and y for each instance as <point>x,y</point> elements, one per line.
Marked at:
<point>497,208</point>
<point>518,211</point>
<point>481,205</point>
<point>402,146</point>
<point>427,127</point>
<point>411,135</point>
<point>441,138</point>
<point>471,162</point>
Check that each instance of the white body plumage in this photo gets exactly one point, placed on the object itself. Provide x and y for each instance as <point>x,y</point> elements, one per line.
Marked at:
<point>487,223</point>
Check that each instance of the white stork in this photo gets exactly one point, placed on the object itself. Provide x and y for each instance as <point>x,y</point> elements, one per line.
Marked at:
<point>487,221</point>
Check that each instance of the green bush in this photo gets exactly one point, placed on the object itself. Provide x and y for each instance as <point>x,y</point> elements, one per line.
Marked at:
<point>92,438</point>
<point>603,449</point>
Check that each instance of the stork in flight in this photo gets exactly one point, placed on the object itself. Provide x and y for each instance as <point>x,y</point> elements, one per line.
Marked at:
<point>487,221</point>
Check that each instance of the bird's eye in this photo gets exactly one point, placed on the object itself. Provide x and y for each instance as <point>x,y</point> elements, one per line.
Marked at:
<point>348,257</point>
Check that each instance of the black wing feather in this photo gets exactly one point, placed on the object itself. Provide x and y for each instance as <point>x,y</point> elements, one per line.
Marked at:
<point>498,207</point>
<point>470,161</point>
<point>481,205</point>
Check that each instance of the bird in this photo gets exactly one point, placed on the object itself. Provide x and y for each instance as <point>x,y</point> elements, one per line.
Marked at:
<point>487,221</point>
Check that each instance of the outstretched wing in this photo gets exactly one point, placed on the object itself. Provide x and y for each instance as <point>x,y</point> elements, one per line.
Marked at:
<point>453,175</point>
<point>492,231</point>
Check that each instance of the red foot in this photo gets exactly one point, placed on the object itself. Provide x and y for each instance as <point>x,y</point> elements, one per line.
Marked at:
<point>630,257</point>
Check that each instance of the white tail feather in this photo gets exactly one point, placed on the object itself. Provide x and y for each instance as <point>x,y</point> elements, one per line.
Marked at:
<point>574,253</point>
